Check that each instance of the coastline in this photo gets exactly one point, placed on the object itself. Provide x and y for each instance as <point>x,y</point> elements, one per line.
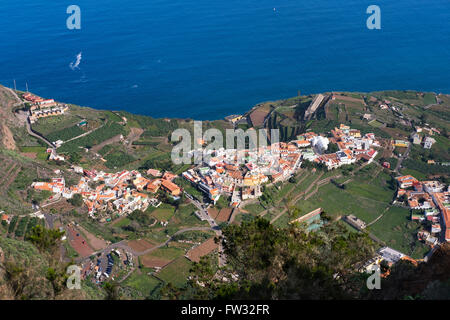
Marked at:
<point>248,110</point>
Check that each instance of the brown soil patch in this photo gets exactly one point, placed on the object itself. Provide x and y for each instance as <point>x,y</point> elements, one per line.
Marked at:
<point>350,99</point>
<point>31,155</point>
<point>213,213</point>
<point>152,262</point>
<point>140,245</point>
<point>99,146</point>
<point>202,250</point>
<point>224,215</point>
<point>78,242</point>
<point>60,206</point>
<point>257,117</point>
<point>96,243</point>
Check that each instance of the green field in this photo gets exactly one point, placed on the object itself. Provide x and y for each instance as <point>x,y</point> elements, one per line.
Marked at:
<point>163,212</point>
<point>65,134</point>
<point>141,285</point>
<point>41,152</point>
<point>169,253</point>
<point>365,200</point>
<point>106,132</point>
<point>176,272</point>
<point>375,123</point>
<point>397,230</point>
<point>122,223</point>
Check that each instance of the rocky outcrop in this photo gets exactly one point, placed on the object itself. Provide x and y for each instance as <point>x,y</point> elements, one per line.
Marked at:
<point>6,137</point>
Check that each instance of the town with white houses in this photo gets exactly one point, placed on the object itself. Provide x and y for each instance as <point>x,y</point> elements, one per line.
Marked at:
<point>42,108</point>
<point>222,174</point>
<point>430,201</point>
<point>126,191</point>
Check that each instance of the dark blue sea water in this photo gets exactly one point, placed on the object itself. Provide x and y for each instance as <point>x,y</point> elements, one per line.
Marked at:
<point>206,59</point>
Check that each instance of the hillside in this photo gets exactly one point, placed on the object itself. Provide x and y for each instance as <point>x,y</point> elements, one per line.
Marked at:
<point>112,141</point>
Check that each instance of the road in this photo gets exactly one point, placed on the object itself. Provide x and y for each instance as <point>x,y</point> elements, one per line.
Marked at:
<point>31,133</point>
<point>28,125</point>
<point>214,226</point>
<point>403,157</point>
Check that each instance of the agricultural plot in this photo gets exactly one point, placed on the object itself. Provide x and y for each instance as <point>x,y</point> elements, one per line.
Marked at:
<point>397,230</point>
<point>40,152</point>
<point>106,132</point>
<point>254,208</point>
<point>118,159</point>
<point>161,257</point>
<point>50,125</point>
<point>163,213</point>
<point>65,134</point>
<point>337,202</point>
<point>176,272</point>
<point>375,123</point>
<point>140,285</point>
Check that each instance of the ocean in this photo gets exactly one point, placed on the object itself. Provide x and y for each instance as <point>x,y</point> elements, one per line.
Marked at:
<point>206,59</point>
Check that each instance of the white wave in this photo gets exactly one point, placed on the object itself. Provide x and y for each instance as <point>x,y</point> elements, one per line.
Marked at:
<point>74,65</point>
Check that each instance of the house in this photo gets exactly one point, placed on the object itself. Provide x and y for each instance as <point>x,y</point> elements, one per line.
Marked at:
<point>154,185</point>
<point>355,222</point>
<point>169,176</point>
<point>428,142</point>
<point>401,143</point>
<point>140,183</point>
<point>233,118</point>
<point>390,255</point>
<point>302,143</point>
<point>442,201</point>
<point>171,188</point>
<point>5,217</point>
<point>416,138</point>
<point>433,186</point>
<point>435,228</point>
<point>417,216</point>
<point>406,181</point>
<point>154,172</point>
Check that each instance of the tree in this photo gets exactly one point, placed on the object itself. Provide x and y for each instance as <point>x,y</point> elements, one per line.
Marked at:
<point>39,197</point>
<point>45,239</point>
<point>112,290</point>
<point>75,157</point>
<point>272,263</point>
<point>76,200</point>
<point>332,148</point>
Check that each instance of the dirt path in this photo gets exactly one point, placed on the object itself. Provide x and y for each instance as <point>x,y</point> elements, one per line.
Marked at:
<point>379,217</point>
<point>134,135</point>
<point>99,146</point>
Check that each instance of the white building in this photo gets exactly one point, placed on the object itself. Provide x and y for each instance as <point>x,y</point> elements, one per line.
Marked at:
<point>428,142</point>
